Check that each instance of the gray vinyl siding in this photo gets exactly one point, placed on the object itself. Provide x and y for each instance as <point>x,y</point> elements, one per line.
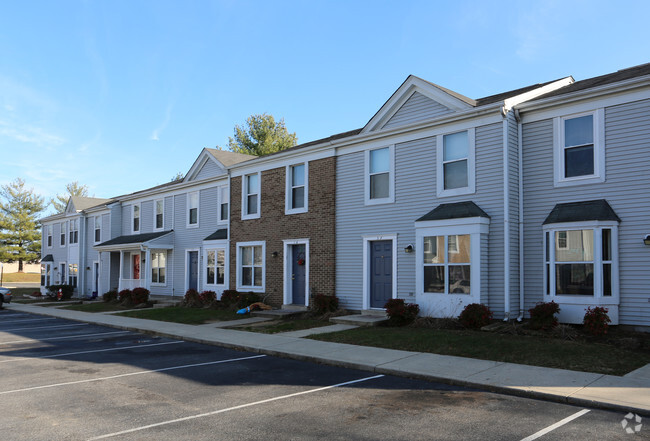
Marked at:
<point>127,219</point>
<point>627,143</point>
<point>513,211</point>
<point>115,223</point>
<point>415,195</point>
<point>168,210</point>
<point>417,108</point>
<point>146,216</point>
<point>209,170</point>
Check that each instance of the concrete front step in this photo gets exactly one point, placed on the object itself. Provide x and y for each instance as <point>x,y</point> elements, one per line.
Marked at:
<point>359,319</point>
<point>320,330</point>
<point>277,313</point>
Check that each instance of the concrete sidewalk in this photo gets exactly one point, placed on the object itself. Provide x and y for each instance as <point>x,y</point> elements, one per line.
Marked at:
<point>630,393</point>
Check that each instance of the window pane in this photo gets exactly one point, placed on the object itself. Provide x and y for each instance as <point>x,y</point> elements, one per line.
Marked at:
<point>136,211</point>
<point>607,279</point>
<point>161,275</point>
<point>455,146</point>
<point>224,211</point>
<point>578,131</point>
<point>193,215</point>
<point>548,250</point>
<point>579,161</point>
<point>455,174</point>
<point>434,279</point>
<point>252,185</point>
<point>252,204</point>
<point>258,276</point>
<point>247,255</point>
<point>210,275</point>
<point>247,276</point>
<point>159,207</point>
<point>154,260</point>
<point>579,246</point>
<point>221,258</point>
<point>136,224</point>
<point>159,221</point>
<point>379,186</point>
<point>297,175</point>
<point>607,244</point>
<point>220,279</point>
<point>194,200</point>
<point>379,160</point>
<point>548,279</point>
<point>298,197</point>
<point>574,279</point>
<point>211,256</point>
<point>257,255</point>
<point>162,258</point>
<point>460,252</point>
<point>459,279</point>
<point>154,275</point>
<point>434,249</point>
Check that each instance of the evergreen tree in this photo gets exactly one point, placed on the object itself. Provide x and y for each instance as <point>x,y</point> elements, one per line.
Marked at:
<point>261,135</point>
<point>20,234</point>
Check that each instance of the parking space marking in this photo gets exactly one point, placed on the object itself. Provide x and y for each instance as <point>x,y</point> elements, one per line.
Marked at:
<point>556,425</point>
<point>44,327</point>
<point>29,320</point>
<point>241,406</point>
<point>31,340</point>
<point>90,352</point>
<point>148,371</point>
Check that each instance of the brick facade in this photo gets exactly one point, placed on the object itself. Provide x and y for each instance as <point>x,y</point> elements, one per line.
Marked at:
<point>274,226</point>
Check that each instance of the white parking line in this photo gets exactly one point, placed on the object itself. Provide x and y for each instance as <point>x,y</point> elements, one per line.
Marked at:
<point>32,320</point>
<point>32,340</point>
<point>44,327</point>
<point>90,352</point>
<point>241,406</point>
<point>556,425</point>
<point>149,371</point>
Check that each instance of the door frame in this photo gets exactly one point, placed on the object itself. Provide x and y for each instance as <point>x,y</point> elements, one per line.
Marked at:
<point>367,265</point>
<point>96,276</point>
<point>287,294</point>
<point>187,269</point>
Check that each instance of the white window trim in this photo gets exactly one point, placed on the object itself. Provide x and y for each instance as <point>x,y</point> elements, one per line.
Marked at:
<point>288,193</point>
<point>597,298</point>
<point>223,245</point>
<point>155,202</point>
<point>199,273</point>
<point>241,287</point>
<point>471,165</point>
<point>198,209</point>
<point>244,197</point>
<point>150,266</point>
<point>97,275</point>
<point>133,230</point>
<point>475,227</point>
<point>366,265</point>
<point>64,234</point>
<point>287,295</point>
<point>95,229</point>
<point>599,150</point>
<point>391,177</point>
<point>222,190</point>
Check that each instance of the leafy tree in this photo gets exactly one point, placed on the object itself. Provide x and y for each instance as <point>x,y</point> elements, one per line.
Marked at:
<point>20,236</point>
<point>177,177</point>
<point>73,189</point>
<point>261,135</point>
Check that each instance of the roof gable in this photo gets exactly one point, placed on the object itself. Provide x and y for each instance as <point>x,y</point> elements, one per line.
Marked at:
<point>80,203</point>
<point>440,98</point>
<point>213,163</point>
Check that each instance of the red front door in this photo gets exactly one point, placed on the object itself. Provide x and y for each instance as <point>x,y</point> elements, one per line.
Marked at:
<point>136,266</point>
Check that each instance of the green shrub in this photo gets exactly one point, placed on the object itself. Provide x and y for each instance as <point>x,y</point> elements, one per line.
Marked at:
<point>322,303</point>
<point>400,313</point>
<point>191,299</point>
<point>139,295</point>
<point>124,295</point>
<point>207,297</point>
<point>596,320</point>
<point>229,297</point>
<point>66,290</point>
<point>475,315</point>
<point>109,296</point>
<point>542,316</point>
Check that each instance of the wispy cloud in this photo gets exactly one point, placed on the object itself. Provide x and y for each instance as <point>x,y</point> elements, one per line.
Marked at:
<point>168,114</point>
<point>30,134</point>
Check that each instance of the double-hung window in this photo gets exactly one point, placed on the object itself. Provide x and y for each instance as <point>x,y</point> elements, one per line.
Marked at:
<point>380,181</point>
<point>73,273</point>
<point>296,193</point>
<point>215,267</point>
<point>579,149</point>
<point>250,266</point>
<point>158,267</point>
<point>159,209</point>
<point>224,202</point>
<point>62,240</point>
<point>251,196</point>
<point>74,231</point>
<point>98,229</point>
<point>447,264</point>
<point>193,209</point>
<point>49,236</point>
<point>136,218</point>
<point>455,164</point>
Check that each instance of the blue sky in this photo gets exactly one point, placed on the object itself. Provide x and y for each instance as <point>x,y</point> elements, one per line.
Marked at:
<point>122,95</point>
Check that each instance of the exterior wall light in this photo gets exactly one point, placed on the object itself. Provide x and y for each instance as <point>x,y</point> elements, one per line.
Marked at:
<point>409,248</point>
<point>274,254</point>
<point>647,239</point>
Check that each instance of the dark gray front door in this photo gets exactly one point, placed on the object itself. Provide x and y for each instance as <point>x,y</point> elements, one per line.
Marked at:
<point>381,272</point>
<point>298,264</point>
<point>193,269</point>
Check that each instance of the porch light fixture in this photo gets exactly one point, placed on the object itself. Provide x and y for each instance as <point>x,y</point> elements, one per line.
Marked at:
<point>647,239</point>
<point>409,248</point>
<point>274,254</point>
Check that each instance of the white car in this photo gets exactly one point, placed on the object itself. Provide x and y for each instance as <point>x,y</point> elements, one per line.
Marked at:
<point>5,295</point>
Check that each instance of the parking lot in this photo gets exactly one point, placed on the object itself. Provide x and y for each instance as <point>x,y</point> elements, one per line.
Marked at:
<point>65,380</point>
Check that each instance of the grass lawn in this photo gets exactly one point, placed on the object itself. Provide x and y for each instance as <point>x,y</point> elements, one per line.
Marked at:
<point>190,316</point>
<point>96,307</point>
<point>276,326</point>
<point>21,277</point>
<point>587,356</point>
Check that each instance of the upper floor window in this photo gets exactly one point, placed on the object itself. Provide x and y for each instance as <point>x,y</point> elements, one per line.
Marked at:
<point>49,236</point>
<point>136,218</point>
<point>159,209</point>
<point>62,240</point>
<point>579,148</point>
<point>193,209</point>
<point>296,193</point>
<point>455,164</point>
<point>98,229</point>
<point>251,190</point>
<point>380,183</point>
<point>74,231</point>
<point>224,201</point>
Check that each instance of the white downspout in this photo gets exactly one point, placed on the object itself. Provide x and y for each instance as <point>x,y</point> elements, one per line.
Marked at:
<point>506,223</point>
<point>520,153</point>
<point>81,268</point>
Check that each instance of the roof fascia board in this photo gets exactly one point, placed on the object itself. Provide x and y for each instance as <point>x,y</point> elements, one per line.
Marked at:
<point>325,151</point>
<point>511,102</point>
<point>404,92</point>
<point>178,189</point>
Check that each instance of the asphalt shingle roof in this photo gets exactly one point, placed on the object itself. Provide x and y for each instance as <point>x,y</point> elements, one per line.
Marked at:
<point>456,210</point>
<point>598,210</point>
<point>133,238</point>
